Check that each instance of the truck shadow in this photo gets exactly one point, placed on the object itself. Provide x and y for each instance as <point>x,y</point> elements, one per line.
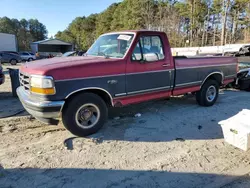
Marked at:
<point>82,177</point>
<point>177,119</point>
<point>5,95</point>
<point>10,106</point>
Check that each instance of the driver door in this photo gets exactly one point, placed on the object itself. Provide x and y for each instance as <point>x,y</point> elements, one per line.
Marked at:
<point>148,69</point>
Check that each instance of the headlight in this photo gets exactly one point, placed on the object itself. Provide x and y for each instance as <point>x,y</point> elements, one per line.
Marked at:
<point>41,82</point>
<point>42,85</point>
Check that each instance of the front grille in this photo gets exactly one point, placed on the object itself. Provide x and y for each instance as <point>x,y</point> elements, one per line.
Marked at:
<point>24,81</point>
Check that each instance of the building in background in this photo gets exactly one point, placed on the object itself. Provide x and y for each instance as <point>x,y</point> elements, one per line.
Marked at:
<point>54,47</point>
<point>8,42</point>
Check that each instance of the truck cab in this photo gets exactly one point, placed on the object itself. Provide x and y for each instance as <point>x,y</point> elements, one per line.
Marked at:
<point>119,69</point>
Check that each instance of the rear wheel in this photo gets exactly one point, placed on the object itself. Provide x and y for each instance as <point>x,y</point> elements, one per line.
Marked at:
<point>85,114</point>
<point>13,61</point>
<point>208,94</point>
<point>30,59</point>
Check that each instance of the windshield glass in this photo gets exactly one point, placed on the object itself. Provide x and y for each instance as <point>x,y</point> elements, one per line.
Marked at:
<point>113,45</point>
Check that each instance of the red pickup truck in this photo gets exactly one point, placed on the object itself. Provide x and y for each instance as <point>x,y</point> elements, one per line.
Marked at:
<point>120,68</point>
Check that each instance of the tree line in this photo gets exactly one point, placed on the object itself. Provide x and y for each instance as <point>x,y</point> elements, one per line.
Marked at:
<point>26,31</point>
<point>186,22</point>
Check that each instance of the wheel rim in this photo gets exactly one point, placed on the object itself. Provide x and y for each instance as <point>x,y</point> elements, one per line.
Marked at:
<point>13,62</point>
<point>87,116</point>
<point>211,93</point>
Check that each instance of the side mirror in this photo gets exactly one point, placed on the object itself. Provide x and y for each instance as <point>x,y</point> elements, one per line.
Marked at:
<point>150,57</point>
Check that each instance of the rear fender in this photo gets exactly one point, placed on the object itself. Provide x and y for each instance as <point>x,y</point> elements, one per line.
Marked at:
<point>215,75</point>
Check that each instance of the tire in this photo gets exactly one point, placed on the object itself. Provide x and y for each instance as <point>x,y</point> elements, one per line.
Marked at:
<point>72,115</point>
<point>30,59</point>
<point>203,98</point>
<point>13,61</point>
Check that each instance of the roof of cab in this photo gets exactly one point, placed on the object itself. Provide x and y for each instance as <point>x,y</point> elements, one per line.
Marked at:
<point>136,31</point>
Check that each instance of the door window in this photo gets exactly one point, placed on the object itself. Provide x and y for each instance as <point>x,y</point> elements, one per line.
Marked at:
<point>148,48</point>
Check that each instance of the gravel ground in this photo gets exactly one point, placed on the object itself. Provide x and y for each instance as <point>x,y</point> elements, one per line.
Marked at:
<point>175,143</point>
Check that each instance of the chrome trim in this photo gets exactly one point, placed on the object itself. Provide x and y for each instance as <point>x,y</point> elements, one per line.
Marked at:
<point>165,70</point>
<point>89,88</point>
<point>188,83</point>
<point>148,90</point>
<point>229,76</point>
<point>193,67</point>
<point>120,94</point>
<point>25,82</point>
<point>221,73</point>
<point>24,98</point>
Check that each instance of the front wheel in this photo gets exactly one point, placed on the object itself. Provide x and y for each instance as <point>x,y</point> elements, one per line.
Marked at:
<point>85,114</point>
<point>208,94</point>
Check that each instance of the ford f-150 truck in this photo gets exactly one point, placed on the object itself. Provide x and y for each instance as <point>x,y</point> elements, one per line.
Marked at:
<point>120,68</point>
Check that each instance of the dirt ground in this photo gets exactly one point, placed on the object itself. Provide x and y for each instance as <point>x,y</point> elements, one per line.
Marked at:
<point>175,143</point>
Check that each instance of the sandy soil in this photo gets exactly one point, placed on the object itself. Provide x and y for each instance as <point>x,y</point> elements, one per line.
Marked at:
<point>175,143</point>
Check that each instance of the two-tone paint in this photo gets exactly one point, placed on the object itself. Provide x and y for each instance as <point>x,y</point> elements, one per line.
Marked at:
<point>124,81</point>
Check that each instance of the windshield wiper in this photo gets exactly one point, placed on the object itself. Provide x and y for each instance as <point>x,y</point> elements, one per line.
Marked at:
<point>103,54</point>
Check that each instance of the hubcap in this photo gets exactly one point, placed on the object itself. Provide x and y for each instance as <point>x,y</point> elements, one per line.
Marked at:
<point>211,93</point>
<point>87,116</point>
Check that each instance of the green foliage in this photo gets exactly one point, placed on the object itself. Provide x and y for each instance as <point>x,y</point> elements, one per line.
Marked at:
<point>104,20</point>
<point>197,21</point>
<point>26,31</point>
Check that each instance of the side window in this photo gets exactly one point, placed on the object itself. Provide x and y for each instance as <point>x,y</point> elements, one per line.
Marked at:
<point>148,48</point>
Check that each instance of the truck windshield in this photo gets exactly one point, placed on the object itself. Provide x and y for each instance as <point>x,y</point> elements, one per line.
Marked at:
<point>111,45</point>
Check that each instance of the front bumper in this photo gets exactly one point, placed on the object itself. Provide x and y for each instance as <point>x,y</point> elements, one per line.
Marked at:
<point>40,109</point>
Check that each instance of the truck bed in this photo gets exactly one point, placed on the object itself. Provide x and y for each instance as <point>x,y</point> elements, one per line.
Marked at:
<point>191,72</point>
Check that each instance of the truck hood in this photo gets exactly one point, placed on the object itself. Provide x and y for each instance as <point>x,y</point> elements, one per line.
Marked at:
<point>66,67</point>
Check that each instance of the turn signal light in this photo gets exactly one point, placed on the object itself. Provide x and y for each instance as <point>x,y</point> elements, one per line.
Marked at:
<point>44,91</point>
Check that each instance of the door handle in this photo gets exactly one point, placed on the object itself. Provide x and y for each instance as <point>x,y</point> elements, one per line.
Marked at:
<point>166,65</point>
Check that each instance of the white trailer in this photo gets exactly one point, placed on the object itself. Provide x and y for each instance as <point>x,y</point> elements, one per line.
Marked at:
<point>8,42</point>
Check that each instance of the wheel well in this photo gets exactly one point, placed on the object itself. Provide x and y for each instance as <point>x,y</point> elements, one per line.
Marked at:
<point>101,93</point>
<point>214,76</point>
